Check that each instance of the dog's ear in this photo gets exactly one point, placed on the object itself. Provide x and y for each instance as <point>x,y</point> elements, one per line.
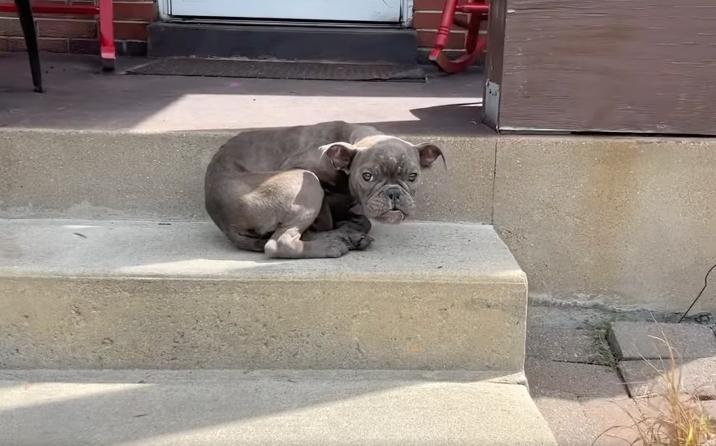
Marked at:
<point>340,154</point>
<point>429,152</point>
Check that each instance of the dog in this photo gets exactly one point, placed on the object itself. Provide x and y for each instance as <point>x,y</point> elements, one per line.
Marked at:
<point>310,191</point>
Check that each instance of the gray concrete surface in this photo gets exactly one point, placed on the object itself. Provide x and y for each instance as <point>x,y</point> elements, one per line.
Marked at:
<point>651,377</point>
<point>568,344</point>
<point>580,402</point>
<point>80,96</point>
<point>80,174</point>
<point>583,401</point>
<point>77,294</point>
<point>156,408</point>
<point>625,221</point>
<point>641,340</point>
<point>583,380</point>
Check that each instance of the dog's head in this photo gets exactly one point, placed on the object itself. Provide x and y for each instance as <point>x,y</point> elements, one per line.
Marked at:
<point>383,173</point>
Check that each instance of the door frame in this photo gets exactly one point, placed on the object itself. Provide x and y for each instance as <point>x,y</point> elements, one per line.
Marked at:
<point>406,18</point>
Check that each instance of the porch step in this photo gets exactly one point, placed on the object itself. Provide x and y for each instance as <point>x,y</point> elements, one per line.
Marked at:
<point>160,176</point>
<point>218,408</point>
<point>371,45</point>
<point>121,294</point>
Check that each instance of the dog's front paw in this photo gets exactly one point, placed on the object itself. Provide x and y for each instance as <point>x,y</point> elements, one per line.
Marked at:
<point>336,247</point>
<point>358,240</point>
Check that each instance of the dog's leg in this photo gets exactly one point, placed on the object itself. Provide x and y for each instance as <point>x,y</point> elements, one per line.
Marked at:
<point>305,201</point>
<point>351,228</point>
<point>342,216</point>
<point>359,223</point>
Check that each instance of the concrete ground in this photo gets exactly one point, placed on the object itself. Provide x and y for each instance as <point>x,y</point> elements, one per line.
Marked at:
<point>575,382</point>
<point>79,96</point>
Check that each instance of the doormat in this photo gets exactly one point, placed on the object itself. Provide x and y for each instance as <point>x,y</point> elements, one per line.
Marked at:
<point>281,70</point>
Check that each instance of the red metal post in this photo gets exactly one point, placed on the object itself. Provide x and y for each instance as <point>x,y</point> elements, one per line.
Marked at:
<point>106,34</point>
<point>475,44</point>
<point>106,24</point>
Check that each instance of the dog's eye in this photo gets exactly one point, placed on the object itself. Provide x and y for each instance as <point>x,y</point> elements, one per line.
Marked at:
<point>412,177</point>
<point>367,176</point>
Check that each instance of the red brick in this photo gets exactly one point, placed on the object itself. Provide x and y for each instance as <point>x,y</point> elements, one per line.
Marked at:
<point>10,27</point>
<point>135,10</point>
<point>49,45</point>
<point>430,20</point>
<point>67,28</point>
<point>431,5</point>
<point>84,46</point>
<point>130,30</point>
<point>427,39</point>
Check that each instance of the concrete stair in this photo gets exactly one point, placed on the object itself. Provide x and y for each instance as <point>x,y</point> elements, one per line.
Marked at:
<point>419,340</point>
<point>102,294</point>
<point>126,318</point>
<point>228,408</point>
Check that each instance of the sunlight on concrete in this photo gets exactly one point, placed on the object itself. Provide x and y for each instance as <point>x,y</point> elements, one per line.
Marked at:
<point>195,266</point>
<point>228,111</point>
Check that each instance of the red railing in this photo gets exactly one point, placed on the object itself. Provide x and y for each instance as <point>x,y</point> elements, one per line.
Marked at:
<point>103,9</point>
<point>475,43</point>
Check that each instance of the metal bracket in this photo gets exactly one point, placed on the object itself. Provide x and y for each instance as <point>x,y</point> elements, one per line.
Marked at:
<point>492,104</point>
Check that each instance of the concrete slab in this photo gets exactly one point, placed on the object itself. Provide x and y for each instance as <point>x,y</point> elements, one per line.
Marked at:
<point>646,340</point>
<point>620,221</point>
<point>80,97</point>
<point>111,175</point>
<point>85,294</point>
<point>568,344</point>
<point>548,378</point>
<point>645,378</point>
<point>156,408</point>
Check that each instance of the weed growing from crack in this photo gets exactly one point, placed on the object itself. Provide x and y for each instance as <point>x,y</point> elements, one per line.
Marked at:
<point>680,419</point>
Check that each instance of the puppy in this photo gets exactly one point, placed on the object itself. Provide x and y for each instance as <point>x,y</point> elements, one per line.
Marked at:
<point>309,191</point>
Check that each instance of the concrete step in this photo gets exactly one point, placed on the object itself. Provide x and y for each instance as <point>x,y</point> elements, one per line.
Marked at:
<point>217,408</point>
<point>117,175</point>
<point>121,294</point>
<point>313,43</point>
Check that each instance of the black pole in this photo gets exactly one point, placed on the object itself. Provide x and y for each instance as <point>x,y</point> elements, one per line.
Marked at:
<point>24,11</point>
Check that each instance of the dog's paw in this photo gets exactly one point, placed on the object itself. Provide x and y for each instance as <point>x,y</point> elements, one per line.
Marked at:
<point>336,248</point>
<point>358,240</point>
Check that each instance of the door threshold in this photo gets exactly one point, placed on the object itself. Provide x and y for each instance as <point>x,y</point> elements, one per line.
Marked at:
<point>288,23</point>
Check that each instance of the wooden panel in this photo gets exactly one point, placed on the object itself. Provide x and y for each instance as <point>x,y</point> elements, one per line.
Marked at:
<point>612,65</point>
<point>496,46</point>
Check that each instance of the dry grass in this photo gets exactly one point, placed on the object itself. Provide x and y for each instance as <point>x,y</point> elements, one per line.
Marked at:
<point>672,418</point>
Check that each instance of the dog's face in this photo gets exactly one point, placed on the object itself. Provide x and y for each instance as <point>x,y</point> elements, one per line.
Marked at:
<point>383,172</point>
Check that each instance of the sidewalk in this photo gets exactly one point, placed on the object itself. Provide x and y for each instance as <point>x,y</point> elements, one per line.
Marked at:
<point>574,380</point>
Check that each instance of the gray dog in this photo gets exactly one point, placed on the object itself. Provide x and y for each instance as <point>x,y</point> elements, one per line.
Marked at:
<point>308,191</point>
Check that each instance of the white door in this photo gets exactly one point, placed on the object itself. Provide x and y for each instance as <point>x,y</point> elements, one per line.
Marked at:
<point>330,10</point>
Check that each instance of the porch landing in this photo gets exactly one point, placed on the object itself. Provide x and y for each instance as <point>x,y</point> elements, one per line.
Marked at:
<point>80,97</point>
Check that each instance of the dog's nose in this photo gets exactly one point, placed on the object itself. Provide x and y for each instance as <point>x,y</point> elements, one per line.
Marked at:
<point>393,193</point>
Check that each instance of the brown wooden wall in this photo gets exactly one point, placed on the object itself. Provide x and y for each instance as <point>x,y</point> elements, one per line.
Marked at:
<point>607,65</point>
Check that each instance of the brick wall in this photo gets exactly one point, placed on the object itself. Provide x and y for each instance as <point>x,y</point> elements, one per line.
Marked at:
<point>78,34</point>
<point>64,34</point>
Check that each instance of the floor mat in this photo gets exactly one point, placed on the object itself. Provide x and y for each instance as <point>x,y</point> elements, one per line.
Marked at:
<point>281,70</point>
